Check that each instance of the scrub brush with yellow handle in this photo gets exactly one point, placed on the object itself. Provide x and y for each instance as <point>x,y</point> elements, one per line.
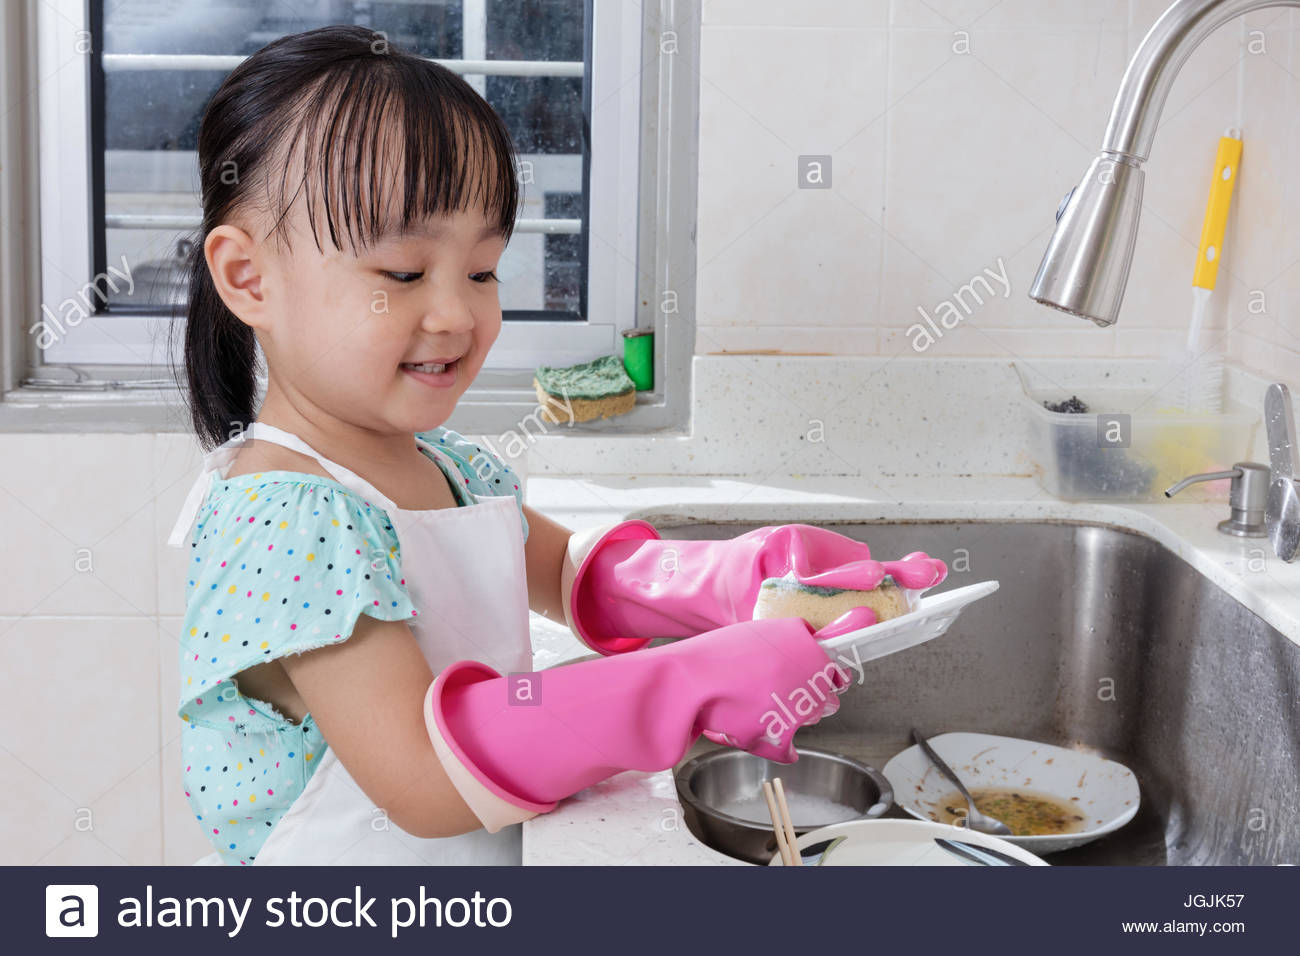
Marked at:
<point>1202,382</point>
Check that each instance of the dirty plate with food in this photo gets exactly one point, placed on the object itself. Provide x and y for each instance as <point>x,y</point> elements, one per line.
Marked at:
<point>1053,798</point>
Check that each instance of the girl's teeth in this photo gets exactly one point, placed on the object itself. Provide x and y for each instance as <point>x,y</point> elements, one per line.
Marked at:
<point>428,367</point>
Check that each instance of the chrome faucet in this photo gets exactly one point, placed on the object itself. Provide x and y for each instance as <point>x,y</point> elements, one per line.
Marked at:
<point>1283,510</point>
<point>1265,499</point>
<point>1087,262</point>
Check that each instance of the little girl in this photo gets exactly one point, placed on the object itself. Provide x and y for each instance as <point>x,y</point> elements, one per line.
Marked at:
<point>355,665</point>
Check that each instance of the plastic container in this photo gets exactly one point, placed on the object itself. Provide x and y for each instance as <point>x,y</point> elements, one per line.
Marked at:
<point>1129,445</point>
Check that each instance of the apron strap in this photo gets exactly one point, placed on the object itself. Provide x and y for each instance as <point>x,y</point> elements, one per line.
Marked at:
<point>219,457</point>
<point>452,471</point>
<point>348,479</point>
<point>213,461</point>
<point>185,520</point>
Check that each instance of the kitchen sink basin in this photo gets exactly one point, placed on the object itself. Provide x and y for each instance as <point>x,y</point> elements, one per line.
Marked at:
<point>1100,639</point>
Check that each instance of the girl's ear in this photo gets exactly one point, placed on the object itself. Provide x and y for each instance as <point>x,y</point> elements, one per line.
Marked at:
<point>235,269</point>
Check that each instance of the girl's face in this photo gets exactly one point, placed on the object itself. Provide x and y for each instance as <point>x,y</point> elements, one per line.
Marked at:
<point>343,326</point>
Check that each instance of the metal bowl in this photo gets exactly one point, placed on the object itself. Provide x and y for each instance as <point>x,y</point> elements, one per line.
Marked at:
<point>725,776</point>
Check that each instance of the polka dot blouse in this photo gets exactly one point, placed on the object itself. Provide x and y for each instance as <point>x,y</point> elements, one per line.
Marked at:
<point>283,562</point>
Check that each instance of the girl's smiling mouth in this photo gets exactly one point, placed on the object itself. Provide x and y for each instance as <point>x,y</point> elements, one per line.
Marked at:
<point>438,374</point>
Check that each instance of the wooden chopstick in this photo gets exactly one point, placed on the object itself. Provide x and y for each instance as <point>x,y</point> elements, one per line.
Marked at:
<point>777,826</point>
<point>788,821</point>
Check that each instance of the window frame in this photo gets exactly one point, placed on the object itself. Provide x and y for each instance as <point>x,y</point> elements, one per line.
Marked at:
<point>652,252</point>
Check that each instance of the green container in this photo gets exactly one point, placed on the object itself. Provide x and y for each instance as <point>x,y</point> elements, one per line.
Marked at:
<point>639,357</point>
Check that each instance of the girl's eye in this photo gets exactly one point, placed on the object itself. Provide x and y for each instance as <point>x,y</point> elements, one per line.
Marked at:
<point>489,276</point>
<point>404,276</point>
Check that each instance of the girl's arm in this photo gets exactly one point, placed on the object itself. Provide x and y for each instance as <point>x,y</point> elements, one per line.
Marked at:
<point>367,695</point>
<point>399,733</point>
<point>545,555</point>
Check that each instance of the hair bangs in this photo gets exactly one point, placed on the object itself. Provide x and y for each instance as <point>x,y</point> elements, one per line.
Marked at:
<point>384,146</point>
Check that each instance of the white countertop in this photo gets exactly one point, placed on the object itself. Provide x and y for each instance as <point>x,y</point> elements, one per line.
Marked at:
<point>633,817</point>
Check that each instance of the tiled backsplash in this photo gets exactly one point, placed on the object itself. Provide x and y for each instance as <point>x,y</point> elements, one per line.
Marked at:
<point>954,128</point>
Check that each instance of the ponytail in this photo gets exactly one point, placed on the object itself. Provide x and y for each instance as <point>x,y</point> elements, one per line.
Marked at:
<point>220,360</point>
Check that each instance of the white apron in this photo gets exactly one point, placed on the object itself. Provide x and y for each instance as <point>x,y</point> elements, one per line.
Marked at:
<point>472,609</point>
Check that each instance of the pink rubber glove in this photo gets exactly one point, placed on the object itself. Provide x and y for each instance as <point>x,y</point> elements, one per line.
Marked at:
<point>515,745</point>
<point>631,586</point>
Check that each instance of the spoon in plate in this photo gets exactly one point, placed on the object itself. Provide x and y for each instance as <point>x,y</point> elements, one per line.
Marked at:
<point>974,819</point>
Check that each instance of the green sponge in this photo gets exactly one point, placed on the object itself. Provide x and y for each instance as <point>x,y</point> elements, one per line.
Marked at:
<point>579,393</point>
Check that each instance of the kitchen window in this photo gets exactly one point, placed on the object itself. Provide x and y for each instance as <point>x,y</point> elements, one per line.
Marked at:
<point>600,98</point>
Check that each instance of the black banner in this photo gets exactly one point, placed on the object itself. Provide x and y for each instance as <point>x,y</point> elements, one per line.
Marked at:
<point>182,910</point>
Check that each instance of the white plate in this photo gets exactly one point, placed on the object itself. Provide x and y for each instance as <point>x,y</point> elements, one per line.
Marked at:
<point>898,843</point>
<point>934,614</point>
<point>1106,792</point>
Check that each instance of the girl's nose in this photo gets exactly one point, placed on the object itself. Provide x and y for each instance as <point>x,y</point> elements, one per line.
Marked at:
<point>448,312</point>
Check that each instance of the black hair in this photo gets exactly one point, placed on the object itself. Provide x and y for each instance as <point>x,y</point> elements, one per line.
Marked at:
<point>348,100</point>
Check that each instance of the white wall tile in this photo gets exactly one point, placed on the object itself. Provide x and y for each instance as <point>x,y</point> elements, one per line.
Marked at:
<point>787,340</point>
<point>783,272</point>
<point>44,817</point>
<point>978,17</point>
<point>80,519</point>
<point>965,188</point>
<point>88,764</point>
<point>806,13</point>
<point>770,252</point>
<point>977,150</point>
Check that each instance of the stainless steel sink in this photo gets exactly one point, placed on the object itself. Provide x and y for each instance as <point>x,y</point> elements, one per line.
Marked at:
<point>1099,639</point>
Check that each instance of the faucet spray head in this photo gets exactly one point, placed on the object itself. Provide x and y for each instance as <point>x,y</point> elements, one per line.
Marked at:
<point>1086,265</point>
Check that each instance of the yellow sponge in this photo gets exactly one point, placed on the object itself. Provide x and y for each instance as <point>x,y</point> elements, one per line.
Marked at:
<point>787,597</point>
